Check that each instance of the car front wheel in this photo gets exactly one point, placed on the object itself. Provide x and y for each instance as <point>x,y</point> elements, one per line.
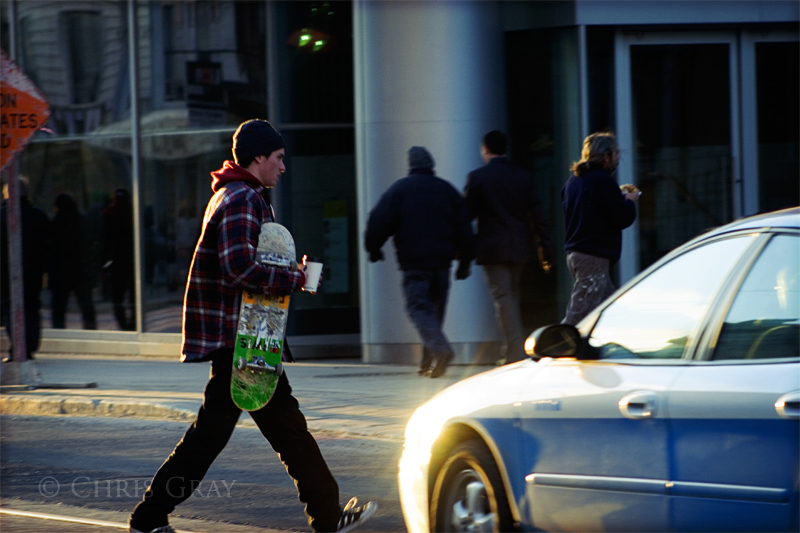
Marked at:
<point>468,494</point>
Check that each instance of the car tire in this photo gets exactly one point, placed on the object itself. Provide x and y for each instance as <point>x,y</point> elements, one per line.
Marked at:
<point>468,494</point>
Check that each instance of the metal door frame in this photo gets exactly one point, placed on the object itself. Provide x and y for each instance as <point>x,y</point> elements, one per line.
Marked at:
<point>749,108</point>
<point>623,41</point>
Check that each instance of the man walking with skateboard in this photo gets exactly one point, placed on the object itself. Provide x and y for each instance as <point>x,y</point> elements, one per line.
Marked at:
<point>224,265</point>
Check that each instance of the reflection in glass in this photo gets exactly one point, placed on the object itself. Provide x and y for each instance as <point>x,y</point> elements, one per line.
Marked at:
<point>764,320</point>
<point>318,197</point>
<point>315,57</point>
<point>656,318</point>
<point>74,182</point>
<point>778,85</point>
<point>78,57</point>
<point>681,105</point>
<point>118,258</point>
<point>541,80</point>
<point>204,63</point>
<point>68,272</point>
<point>176,188</point>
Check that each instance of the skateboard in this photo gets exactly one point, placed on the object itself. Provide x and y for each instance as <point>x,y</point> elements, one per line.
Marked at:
<point>262,323</point>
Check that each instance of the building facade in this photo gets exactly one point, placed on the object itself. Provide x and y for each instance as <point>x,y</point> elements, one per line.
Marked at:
<point>145,95</point>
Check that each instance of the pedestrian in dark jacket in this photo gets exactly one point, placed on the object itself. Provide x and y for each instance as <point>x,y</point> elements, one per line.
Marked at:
<point>430,225</point>
<point>35,231</point>
<point>596,210</point>
<point>223,266</point>
<point>119,257</point>
<point>68,272</point>
<point>504,200</point>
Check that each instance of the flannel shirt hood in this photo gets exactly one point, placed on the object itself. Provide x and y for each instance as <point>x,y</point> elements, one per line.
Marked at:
<point>229,172</point>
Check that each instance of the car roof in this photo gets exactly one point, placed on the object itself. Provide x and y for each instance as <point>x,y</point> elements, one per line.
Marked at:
<point>785,218</point>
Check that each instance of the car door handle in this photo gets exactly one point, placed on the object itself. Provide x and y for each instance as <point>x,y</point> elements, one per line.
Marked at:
<point>788,406</point>
<point>639,405</point>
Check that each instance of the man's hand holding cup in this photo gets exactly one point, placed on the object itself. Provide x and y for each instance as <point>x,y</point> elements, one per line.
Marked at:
<point>313,269</point>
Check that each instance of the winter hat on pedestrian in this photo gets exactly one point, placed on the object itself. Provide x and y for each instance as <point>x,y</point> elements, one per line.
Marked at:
<point>253,138</point>
<point>419,158</point>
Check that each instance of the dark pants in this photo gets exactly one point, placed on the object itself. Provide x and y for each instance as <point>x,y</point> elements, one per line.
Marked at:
<point>33,328</point>
<point>503,282</point>
<point>122,285</point>
<point>281,423</point>
<point>592,285</point>
<point>426,299</point>
<point>61,290</point>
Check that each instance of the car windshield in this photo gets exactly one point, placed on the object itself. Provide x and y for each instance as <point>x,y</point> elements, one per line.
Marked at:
<point>657,317</point>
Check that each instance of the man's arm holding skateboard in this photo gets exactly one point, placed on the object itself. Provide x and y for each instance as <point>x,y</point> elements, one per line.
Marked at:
<point>237,241</point>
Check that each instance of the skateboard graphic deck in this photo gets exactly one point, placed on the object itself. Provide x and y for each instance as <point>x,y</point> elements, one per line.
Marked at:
<point>262,323</point>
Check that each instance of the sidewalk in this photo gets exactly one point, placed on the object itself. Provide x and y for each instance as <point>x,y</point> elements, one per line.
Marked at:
<point>343,397</point>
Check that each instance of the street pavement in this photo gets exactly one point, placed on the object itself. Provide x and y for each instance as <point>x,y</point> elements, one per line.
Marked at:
<point>341,397</point>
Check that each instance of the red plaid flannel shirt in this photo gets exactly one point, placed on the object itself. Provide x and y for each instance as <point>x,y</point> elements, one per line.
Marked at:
<point>224,264</point>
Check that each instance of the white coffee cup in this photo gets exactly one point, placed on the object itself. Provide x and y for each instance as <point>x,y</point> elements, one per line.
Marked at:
<point>313,269</point>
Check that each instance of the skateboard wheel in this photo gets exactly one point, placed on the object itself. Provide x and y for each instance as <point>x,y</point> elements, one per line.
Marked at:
<point>279,369</point>
<point>241,364</point>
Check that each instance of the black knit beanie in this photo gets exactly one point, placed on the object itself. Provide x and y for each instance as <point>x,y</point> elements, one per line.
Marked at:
<point>253,138</point>
<point>419,158</point>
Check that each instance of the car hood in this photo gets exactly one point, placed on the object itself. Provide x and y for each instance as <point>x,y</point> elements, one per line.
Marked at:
<point>477,396</point>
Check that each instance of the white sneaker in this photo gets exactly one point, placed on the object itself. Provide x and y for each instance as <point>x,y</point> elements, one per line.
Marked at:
<point>353,517</point>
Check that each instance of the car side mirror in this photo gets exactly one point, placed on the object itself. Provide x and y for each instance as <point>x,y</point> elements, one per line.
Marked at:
<point>558,340</point>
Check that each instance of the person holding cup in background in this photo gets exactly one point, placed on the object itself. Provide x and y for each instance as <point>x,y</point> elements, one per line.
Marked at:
<point>596,210</point>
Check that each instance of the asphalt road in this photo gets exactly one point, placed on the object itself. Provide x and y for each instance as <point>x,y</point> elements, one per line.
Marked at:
<point>99,467</point>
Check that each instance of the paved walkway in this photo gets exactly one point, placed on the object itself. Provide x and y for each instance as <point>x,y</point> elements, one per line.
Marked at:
<point>343,397</point>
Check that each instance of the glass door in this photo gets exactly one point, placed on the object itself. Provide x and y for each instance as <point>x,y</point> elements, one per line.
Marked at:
<point>678,133</point>
<point>770,81</point>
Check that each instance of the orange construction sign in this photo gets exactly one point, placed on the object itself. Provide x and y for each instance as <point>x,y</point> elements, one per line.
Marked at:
<point>24,110</point>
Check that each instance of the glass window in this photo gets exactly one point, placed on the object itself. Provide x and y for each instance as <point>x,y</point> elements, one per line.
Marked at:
<point>79,59</point>
<point>682,128</point>
<point>176,188</point>
<point>315,49</point>
<point>202,64</point>
<point>777,87</point>
<point>84,32</point>
<point>84,188</point>
<point>657,317</point>
<point>317,202</point>
<point>764,321</point>
<point>542,103</point>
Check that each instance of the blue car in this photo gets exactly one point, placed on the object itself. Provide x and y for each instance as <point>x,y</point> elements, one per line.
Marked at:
<point>673,406</point>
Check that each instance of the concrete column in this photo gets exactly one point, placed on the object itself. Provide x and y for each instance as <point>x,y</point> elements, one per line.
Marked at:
<point>427,73</point>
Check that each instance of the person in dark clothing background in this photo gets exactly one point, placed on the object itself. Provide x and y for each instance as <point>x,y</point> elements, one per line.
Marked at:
<point>504,200</point>
<point>68,272</point>
<point>118,257</point>
<point>428,219</point>
<point>596,210</point>
<point>35,229</point>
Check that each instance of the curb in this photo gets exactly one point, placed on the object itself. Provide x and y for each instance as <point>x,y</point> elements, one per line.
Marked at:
<point>68,406</point>
<point>87,407</point>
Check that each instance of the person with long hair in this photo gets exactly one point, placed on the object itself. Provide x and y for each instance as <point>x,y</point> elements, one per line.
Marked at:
<point>596,210</point>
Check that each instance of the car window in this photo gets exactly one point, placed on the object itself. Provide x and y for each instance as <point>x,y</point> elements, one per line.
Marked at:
<point>764,320</point>
<point>656,318</point>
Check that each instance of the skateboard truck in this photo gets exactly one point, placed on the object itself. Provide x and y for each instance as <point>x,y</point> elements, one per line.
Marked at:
<point>258,365</point>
